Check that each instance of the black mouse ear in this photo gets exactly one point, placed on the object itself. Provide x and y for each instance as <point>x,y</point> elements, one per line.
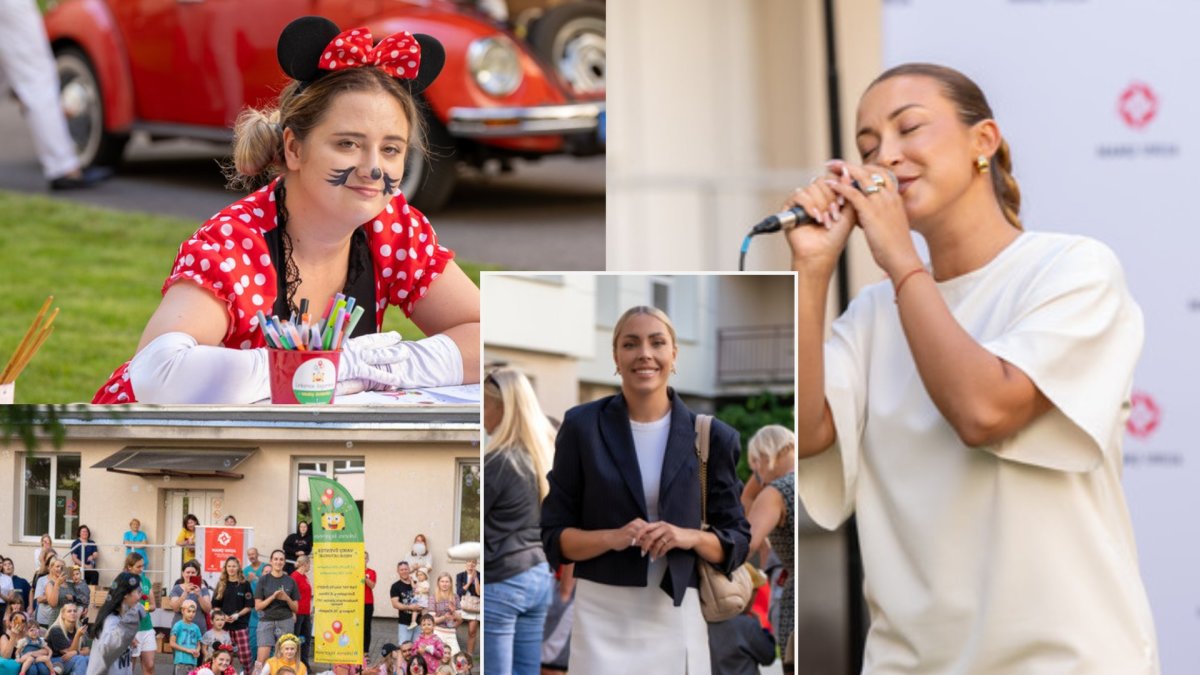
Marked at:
<point>300,46</point>
<point>433,59</point>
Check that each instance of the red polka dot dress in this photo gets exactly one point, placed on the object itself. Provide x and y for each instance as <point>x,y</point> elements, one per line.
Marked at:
<point>228,256</point>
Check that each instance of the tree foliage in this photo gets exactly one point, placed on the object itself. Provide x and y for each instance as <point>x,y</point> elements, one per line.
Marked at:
<point>26,422</point>
<point>753,414</point>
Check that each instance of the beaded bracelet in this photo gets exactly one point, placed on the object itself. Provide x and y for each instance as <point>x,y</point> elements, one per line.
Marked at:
<point>904,279</point>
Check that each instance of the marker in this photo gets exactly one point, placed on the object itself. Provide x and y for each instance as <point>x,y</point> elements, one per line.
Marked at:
<point>354,317</point>
<point>295,336</point>
<point>272,337</point>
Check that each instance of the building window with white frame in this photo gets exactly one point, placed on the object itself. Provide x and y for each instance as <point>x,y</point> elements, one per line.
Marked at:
<point>661,290</point>
<point>50,496</point>
<point>466,525</point>
<point>351,472</point>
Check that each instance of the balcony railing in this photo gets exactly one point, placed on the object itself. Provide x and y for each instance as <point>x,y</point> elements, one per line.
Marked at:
<point>756,355</point>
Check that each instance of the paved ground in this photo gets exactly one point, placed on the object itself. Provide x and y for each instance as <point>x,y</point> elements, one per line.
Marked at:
<point>547,215</point>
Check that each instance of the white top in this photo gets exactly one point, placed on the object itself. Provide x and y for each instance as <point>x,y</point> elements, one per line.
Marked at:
<point>650,443</point>
<point>1017,557</point>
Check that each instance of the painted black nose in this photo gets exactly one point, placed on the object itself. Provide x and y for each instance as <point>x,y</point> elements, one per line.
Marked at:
<point>376,174</point>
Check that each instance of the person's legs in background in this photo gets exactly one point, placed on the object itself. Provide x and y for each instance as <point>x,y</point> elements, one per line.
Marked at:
<point>252,634</point>
<point>27,65</point>
<point>527,645</point>
<point>304,632</point>
<point>406,634</point>
<point>513,616</point>
<point>368,614</point>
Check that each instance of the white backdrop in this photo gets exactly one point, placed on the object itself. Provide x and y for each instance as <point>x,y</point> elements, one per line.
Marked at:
<point>1100,102</point>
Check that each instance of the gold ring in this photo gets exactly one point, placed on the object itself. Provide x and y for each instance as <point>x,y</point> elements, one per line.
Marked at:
<point>878,180</point>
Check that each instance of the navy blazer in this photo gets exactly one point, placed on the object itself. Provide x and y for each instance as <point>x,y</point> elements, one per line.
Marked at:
<point>596,485</point>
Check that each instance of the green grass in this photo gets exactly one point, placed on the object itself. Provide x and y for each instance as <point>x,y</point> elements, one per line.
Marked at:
<point>105,270</point>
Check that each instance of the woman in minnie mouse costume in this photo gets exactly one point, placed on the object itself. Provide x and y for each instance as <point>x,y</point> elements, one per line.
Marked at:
<point>329,219</point>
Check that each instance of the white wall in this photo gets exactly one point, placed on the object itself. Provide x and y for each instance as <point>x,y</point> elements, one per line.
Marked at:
<point>543,313</point>
<point>717,111</point>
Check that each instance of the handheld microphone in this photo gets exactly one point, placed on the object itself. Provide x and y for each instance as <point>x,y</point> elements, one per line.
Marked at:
<point>793,217</point>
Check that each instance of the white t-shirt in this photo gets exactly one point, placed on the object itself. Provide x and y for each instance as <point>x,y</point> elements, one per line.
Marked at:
<point>1016,557</point>
<point>650,443</point>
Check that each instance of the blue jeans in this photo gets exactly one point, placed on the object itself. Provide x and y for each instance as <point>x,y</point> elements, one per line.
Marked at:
<point>406,634</point>
<point>77,666</point>
<point>514,611</point>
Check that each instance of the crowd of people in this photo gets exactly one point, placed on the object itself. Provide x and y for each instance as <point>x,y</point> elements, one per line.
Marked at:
<point>593,542</point>
<point>259,612</point>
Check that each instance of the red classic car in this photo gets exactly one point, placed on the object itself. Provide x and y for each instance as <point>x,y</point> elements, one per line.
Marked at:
<point>185,68</point>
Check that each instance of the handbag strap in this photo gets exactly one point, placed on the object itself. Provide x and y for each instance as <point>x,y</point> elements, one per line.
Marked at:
<point>703,432</point>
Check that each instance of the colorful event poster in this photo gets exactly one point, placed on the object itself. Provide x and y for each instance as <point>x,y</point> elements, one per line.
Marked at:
<point>221,543</point>
<point>339,567</point>
<point>217,543</point>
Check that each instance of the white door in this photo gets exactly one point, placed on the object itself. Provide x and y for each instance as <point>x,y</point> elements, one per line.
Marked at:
<point>206,505</point>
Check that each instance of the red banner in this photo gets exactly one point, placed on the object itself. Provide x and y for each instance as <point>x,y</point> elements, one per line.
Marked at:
<point>219,544</point>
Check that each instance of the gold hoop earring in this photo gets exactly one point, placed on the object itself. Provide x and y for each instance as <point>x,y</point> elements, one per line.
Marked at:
<point>982,165</point>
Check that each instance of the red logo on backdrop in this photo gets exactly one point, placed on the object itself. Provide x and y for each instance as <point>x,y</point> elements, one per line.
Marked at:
<point>221,543</point>
<point>1137,105</point>
<point>1144,416</point>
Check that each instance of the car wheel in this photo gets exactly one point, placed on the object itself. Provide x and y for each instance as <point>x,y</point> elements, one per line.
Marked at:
<point>429,177</point>
<point>83,105</point>
<point>571,37</point>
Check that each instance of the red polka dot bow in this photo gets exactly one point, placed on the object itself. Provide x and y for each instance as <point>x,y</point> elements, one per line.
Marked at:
<point>398,55</point>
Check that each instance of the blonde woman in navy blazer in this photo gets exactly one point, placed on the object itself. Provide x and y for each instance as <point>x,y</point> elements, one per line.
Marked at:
<point>624,506</point>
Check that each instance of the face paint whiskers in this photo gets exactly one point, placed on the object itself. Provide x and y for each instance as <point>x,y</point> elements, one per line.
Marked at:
<point>390,185</point>
<point>339,176</point>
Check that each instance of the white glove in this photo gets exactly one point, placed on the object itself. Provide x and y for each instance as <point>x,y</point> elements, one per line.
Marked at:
<point>387,361</point>
<point>173,368</point>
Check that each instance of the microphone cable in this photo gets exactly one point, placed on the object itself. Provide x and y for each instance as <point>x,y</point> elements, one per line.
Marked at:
<point>793,217</point>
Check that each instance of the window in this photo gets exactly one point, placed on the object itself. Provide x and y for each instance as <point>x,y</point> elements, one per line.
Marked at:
<point>607,297</point>
<point>350,472</point>
<point>50,497</point>
<point>466,525</point>
<point>660,293</point>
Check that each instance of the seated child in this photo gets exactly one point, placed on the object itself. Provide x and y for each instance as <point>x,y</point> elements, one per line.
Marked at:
<point>33,653</point>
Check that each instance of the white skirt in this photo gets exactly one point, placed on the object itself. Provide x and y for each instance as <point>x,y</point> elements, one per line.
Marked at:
<point>449,638</point>
<point>616,626</point>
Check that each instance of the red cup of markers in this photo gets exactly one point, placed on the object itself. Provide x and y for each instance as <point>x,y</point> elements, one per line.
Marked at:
<point>306,377</point>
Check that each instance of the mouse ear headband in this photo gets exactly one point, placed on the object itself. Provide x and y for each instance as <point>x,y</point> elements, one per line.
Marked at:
<point>312,46</point>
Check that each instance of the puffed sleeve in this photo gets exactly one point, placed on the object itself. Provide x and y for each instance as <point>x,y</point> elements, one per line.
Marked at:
<point>726,519</point>
<point>827,482</point>
<point>228,258</point>
<point>1077,333</point>
<point>562,506</point>
<point>407,255</point>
